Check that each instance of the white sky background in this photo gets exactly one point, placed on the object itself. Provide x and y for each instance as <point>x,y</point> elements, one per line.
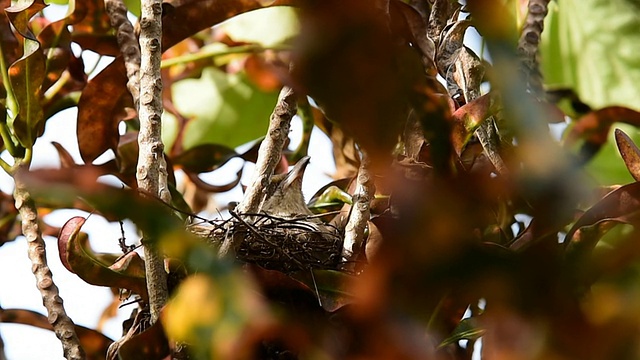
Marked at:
<point>83,302</point>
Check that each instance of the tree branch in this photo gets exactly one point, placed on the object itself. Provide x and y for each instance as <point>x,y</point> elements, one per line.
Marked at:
<point>152,168</point>
<point>62,325</point>
<point>528,45</point>
<point>360,213</point>
<point>269,155</point>
<point>128,43</point>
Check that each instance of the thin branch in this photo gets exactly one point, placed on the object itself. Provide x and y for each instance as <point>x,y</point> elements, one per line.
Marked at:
<point>62,325</point>
<point>152,168</point>
<point>360,212</point>
<point>270,150</point>
<point>269,155</point>
<point>528,45</point>
<point>128,44</point>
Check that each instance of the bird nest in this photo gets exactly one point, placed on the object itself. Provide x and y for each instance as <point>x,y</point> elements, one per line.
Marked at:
<point>282,244</point>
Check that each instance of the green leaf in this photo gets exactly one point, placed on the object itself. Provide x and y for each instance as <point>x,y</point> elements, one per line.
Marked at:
<point>27,74</point>
<point>133,6</point>
<point>591,46</point>
<point>225,109</point>
<point>267,27</point>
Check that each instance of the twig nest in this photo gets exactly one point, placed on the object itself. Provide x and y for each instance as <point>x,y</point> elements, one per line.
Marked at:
<point>276,243</point>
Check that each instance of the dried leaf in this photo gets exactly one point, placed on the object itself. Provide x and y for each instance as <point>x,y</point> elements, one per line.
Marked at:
<point>66,160</point>
<point>630,153</point>
<point>100,109</point>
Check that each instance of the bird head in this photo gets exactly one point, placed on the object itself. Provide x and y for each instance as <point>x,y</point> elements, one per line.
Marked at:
<point>284,196</point>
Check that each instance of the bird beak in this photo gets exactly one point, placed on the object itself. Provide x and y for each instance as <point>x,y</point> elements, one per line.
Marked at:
<point>296,173</point>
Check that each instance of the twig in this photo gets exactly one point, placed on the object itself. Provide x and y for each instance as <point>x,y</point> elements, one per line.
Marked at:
<point>528,45</point>
<point>270,150</point>
<point>128,44</point>
<point>152,168</point>
<point>62,325</point>
<point>360,211</point>
<point>269,155</point>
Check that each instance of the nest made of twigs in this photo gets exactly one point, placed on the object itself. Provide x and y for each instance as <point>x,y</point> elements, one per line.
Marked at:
<point>286,245</point>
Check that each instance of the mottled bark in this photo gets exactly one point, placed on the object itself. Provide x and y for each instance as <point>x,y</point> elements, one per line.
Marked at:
<point>359,215</point>
<point>152,168</point>
<point>269,155</point>
<point>62,325</point>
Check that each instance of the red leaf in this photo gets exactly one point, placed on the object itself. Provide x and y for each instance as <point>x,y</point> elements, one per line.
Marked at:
<point>77,257</point>
<point>69,230</point>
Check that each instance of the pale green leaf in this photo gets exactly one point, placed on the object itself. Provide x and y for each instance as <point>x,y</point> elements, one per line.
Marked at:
<point>225,109</point>
<point>268,27</point>
<point>592,47</point>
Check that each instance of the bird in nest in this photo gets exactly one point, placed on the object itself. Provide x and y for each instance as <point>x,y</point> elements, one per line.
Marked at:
<point>284,197</point>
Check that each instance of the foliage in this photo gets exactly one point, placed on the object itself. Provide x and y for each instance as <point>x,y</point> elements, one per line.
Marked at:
<point>483,225</point>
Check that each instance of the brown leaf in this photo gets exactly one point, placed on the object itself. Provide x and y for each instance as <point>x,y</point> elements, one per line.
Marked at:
<point>630,153</point>
<point>91,27</point>
<point>100,109</point>
<point>66,160</point>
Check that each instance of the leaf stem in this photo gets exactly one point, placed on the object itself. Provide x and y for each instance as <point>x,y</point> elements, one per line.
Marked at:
<point>7,138</point>
<point>212,53</point>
